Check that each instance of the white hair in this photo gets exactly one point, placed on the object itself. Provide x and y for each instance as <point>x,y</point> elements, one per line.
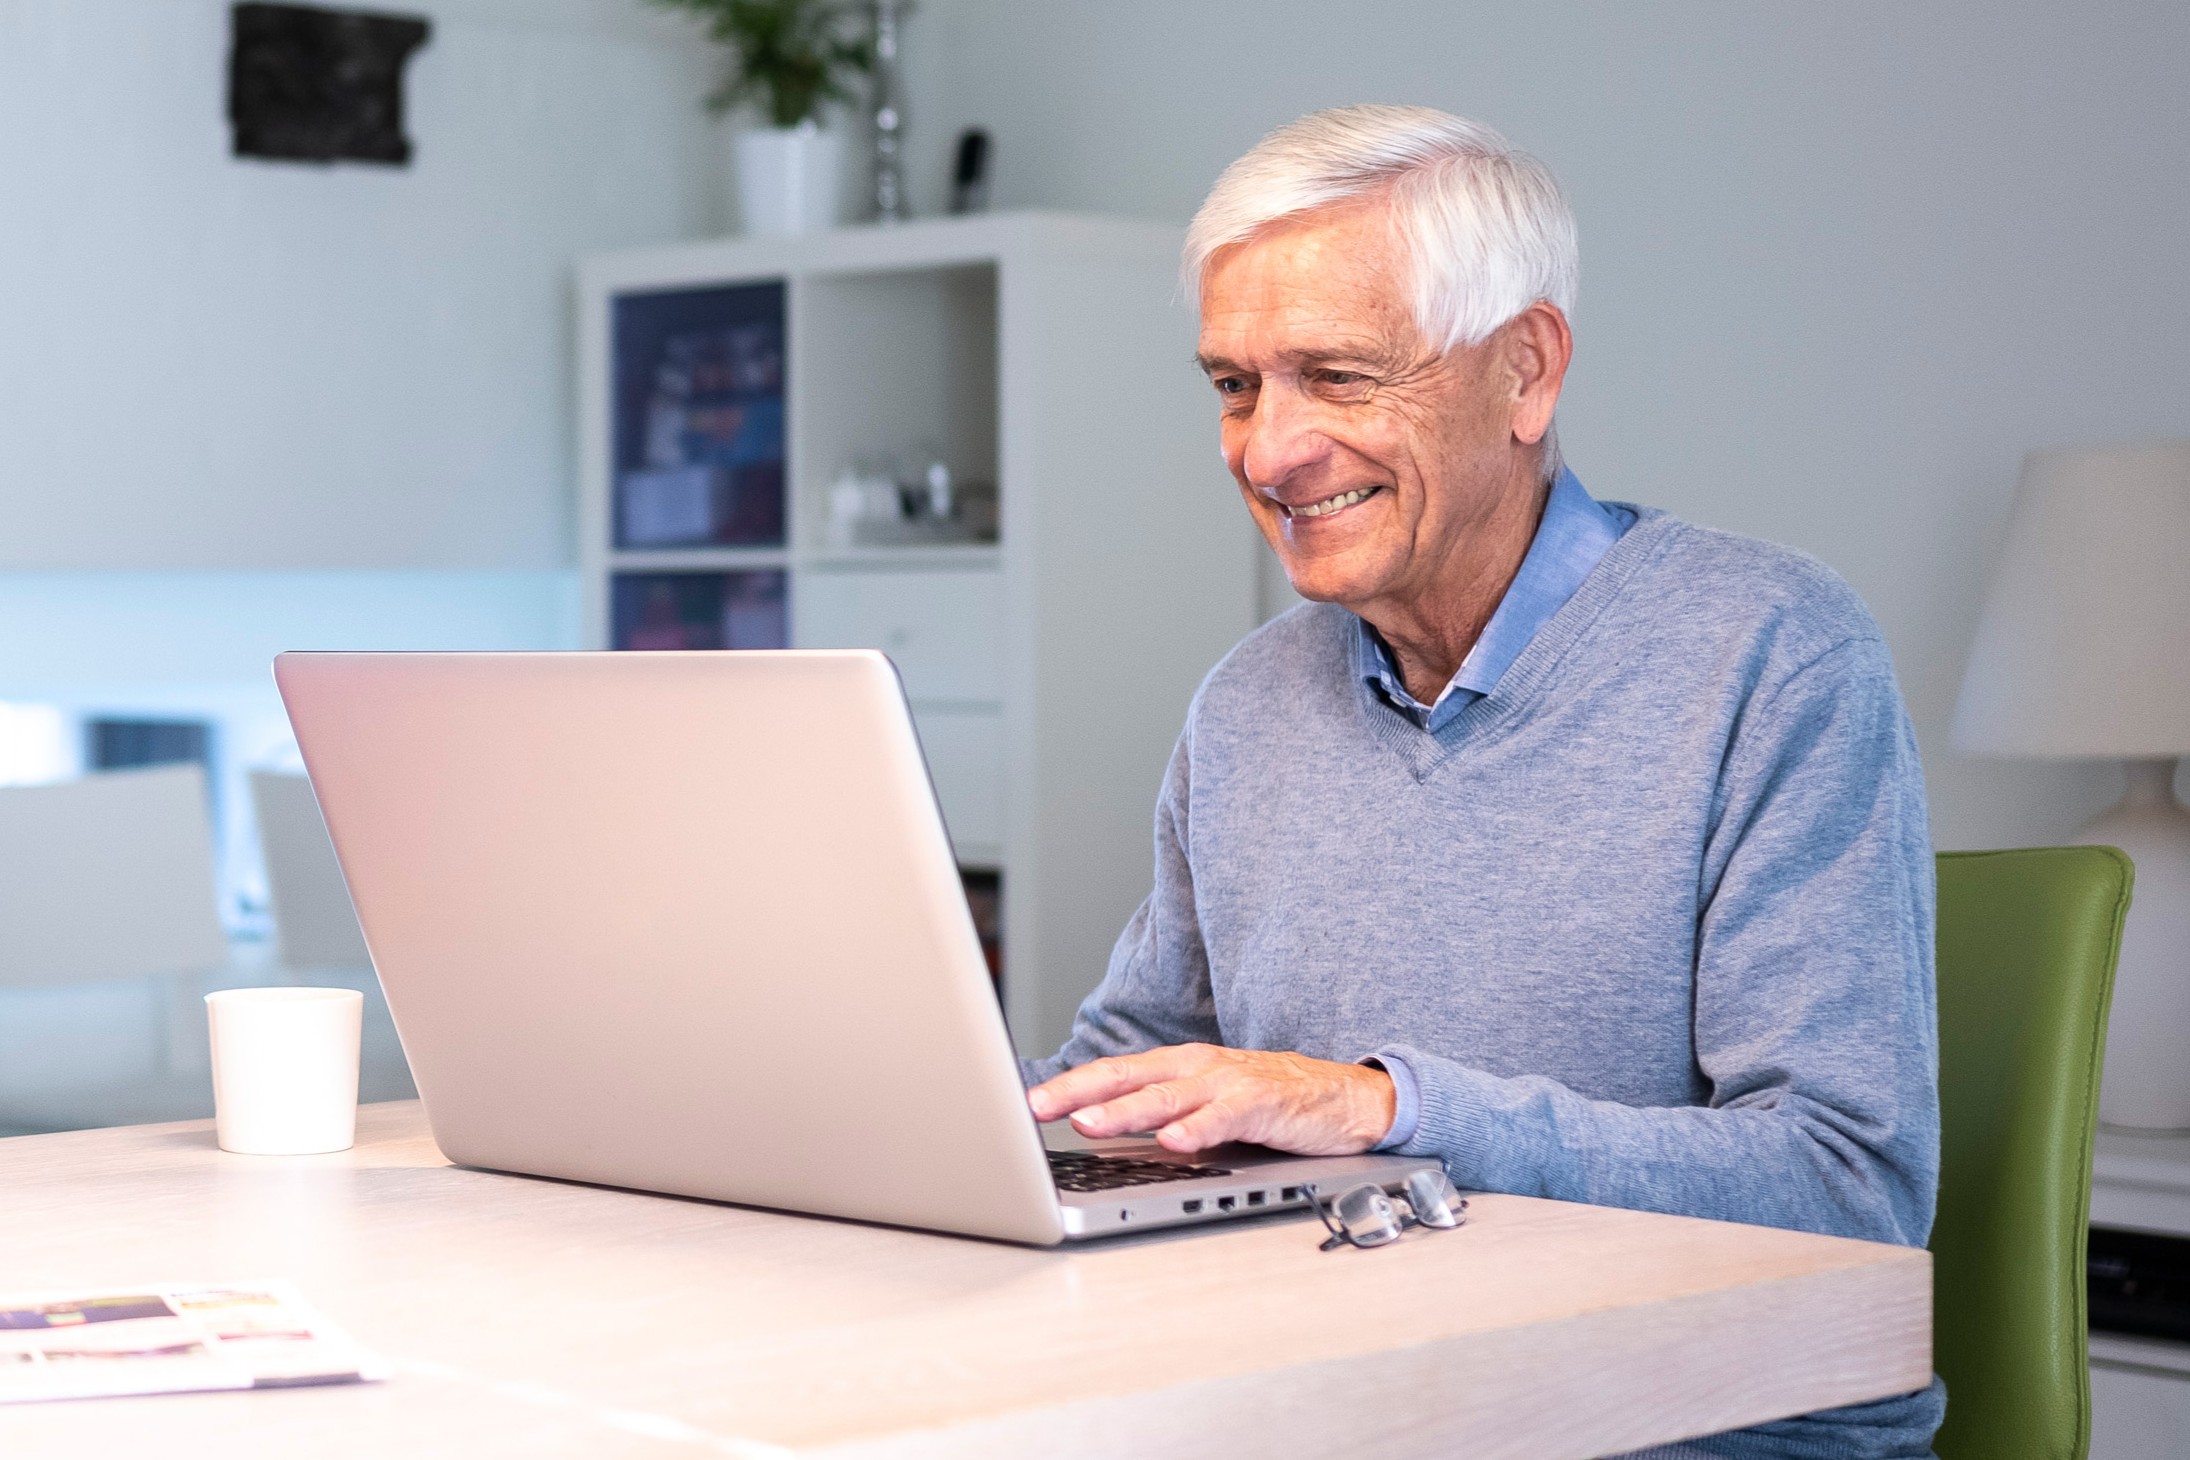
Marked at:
<point>1484,225</point>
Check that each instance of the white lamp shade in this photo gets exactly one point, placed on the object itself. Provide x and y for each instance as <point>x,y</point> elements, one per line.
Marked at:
<point>2084,647</point>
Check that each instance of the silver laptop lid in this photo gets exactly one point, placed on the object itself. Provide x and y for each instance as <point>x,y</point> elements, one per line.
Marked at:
<point>682,922</point>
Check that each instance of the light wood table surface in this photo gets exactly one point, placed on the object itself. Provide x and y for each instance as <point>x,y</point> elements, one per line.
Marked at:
<point>539,1319</point>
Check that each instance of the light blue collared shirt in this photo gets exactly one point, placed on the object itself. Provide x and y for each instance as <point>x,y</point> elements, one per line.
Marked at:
<point>1575,533</point>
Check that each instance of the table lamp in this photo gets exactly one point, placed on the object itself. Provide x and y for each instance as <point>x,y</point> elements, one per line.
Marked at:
<point>2084,652</point>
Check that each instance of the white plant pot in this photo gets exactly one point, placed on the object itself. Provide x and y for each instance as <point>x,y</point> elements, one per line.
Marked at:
<point>789,179</point>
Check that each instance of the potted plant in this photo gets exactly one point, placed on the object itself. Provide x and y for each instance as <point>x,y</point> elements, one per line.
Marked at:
<point>788,59</point>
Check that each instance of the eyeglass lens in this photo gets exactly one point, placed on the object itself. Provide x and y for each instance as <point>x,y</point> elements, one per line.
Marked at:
<point>1368,1217</point>
<point>1436,1201</point>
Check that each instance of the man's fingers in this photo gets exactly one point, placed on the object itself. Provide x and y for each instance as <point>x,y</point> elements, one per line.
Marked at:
<point>1090,1084</point>
<point>1211,1123</point>
<point>1143,1109</point>
<point>1106,1079</point>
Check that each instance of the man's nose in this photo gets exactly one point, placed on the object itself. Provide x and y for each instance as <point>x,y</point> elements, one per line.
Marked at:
<point>1283,438</point>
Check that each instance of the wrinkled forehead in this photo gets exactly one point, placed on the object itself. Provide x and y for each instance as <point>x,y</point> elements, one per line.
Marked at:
<point>1329,283</point>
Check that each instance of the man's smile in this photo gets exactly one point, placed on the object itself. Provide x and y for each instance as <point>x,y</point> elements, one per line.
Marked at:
<point>1329,505</point>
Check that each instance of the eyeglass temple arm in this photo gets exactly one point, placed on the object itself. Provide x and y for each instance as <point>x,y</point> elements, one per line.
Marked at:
<point>1339,1237</point>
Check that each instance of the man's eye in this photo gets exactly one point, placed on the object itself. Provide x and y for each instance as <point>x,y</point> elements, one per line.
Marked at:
<point>1342,385</point>
<point>1236,392</point>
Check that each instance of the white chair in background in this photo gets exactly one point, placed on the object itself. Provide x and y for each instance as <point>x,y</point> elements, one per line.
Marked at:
<point>108,876</point>
<point>109,918</point>
<point>313,921</point>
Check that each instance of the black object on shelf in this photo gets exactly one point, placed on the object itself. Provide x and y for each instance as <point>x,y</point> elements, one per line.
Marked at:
<point>312,85</point>
<point>2139,1284</point>
<point>970,173</point>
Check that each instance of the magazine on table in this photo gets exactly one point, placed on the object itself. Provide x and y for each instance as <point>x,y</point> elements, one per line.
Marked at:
<point>171,1338</point>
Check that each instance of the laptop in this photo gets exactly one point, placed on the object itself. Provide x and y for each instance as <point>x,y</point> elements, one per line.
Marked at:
<point>690,923</point>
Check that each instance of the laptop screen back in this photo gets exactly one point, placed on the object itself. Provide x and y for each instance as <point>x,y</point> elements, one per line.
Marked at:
<point>681,922</point>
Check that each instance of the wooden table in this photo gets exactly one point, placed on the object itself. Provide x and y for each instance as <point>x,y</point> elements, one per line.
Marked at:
<point>537,1319</point>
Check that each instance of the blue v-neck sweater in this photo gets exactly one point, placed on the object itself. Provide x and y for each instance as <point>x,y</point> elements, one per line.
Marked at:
<point>1650,924</point>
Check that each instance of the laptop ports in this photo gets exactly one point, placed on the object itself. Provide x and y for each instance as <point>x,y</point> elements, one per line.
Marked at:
<point>1291,1193</point>
<point>1190,1207</point>
<point>1226,1203</point>
<point>1257,1198</point>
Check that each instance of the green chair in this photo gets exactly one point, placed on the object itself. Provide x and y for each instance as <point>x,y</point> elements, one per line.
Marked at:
<point>2027,942</point>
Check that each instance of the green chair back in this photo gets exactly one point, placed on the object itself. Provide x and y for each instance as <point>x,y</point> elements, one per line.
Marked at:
<point>2027,942</point>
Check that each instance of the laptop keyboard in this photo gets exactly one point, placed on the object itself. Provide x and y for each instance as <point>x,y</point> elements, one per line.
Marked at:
<point>1087,1171</point>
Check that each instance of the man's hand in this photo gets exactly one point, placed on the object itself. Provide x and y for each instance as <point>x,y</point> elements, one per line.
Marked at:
<point>1195,1096</point>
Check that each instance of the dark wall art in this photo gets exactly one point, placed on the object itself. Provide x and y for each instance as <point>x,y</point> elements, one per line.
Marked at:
<point>313,85</point>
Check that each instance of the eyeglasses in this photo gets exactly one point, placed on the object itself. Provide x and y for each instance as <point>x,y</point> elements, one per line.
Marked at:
<point>1368,1216</point>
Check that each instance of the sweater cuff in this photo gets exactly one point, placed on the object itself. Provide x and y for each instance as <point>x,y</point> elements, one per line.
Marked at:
<point>1406,1097</point>
<point>1452,1116</point>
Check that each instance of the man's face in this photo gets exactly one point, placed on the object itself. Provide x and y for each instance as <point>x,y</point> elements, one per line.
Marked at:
<point>1366,455</point>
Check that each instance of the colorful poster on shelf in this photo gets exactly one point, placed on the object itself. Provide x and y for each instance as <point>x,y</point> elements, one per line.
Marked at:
<point>698,417</point>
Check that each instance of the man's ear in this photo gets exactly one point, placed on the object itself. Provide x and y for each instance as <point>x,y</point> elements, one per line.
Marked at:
<point>1539,347</point>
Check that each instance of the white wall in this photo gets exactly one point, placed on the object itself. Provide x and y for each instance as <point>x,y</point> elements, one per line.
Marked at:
<point>210,362</point>
<point>86,636</point>
<point>1841,264</point>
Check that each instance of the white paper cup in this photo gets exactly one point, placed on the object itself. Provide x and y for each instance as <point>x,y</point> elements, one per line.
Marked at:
<point>285,1069</point>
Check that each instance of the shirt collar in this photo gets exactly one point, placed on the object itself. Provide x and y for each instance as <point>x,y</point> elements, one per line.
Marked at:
<point>1574,534</point>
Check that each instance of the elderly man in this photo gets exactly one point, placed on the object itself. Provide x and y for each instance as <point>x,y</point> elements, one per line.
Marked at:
<point>1577,847</point>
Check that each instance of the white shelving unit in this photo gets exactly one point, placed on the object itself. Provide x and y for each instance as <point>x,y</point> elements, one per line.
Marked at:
<point>2140,1387</point>
<point>1049,671</point>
